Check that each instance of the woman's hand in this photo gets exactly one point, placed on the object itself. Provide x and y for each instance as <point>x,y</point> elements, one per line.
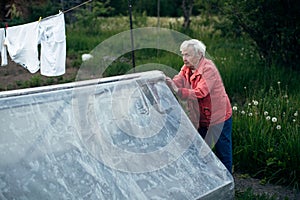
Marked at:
<point>171,84</point>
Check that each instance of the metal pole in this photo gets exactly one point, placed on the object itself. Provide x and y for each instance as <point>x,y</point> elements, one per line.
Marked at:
<point>131,34</point>
<point>158,13</point>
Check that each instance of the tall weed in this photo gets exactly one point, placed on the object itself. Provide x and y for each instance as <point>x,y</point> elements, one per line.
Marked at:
<point>266,136</point>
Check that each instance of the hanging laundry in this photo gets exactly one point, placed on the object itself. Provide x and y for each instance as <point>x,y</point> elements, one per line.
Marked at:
<point>3,48</point>
<point>53,45</point>
<point>22,41</point>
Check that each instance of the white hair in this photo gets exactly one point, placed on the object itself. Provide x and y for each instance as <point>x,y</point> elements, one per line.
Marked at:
<point>199,47</point>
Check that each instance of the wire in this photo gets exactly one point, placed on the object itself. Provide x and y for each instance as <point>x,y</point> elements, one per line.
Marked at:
<point>77,6</point>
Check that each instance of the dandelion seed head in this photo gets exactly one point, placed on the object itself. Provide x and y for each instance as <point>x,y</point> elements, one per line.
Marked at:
<point>250,114</point>
<point>274,119</point>
<point>294,120</point>
<point>266,113</point>
<point>278,127</point>
<point>296,114</point>
<point>268,118</point>
<point>242,112</point>
<point>255,102</point>
<point>245,87</point>
<point>234,108</point>
<point>278,82</point>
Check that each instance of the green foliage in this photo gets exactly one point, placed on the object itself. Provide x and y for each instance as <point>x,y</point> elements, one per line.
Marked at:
<point>88,15</point>
<point>78,42</point>
<point>273,25</point>
<point>35,81</point>
<point>117,69</point>
<point>209,8</point>
<point>266,136</point>
<point>170,8</point>
<point>42,10</point>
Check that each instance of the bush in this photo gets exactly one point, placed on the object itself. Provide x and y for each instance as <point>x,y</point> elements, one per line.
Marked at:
<point>274,30</point>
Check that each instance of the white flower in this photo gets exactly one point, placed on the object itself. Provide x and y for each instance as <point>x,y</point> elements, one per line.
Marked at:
<point>268,118</point>
<point>278,127</point>
<point>255,102</point>
<point>266,113</point>
<point>242,112</point>
<point>234,108</point>
<point>274,119</point>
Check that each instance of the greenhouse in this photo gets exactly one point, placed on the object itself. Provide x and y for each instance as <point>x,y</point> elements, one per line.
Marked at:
<point>122,137</point>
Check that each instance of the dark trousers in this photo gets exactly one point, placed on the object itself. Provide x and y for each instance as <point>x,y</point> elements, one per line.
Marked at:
<point>219,137</point>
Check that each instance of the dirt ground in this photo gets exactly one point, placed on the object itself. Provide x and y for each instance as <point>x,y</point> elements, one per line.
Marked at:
<point>11,74</point>
<point>244,182</point>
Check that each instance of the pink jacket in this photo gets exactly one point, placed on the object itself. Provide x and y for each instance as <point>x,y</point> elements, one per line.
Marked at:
<point>205,94</point>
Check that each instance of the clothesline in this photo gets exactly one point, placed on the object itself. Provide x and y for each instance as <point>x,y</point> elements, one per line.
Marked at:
<point>64,11</point>
<point>51,59</point>
<point>21,43</point>
<point>70,9</point>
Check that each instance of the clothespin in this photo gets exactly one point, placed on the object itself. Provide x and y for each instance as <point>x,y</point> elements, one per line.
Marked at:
<point>40,19</point>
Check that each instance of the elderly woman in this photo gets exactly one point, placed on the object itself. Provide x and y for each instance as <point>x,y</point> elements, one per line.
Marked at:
<point>200,84</point>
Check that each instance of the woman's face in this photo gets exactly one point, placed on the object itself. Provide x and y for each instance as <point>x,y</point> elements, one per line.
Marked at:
<point>190,58</point>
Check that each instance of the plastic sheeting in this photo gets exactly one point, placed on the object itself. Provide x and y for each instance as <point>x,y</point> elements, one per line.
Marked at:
<point>123,137</point>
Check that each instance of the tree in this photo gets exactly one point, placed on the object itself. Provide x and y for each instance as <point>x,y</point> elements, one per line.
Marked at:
<point>187,8</point>
<point>273,25</point>
<point>89,14</point>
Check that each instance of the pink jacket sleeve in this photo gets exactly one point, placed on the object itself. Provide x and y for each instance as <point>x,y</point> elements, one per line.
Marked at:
<point>199,87</point>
